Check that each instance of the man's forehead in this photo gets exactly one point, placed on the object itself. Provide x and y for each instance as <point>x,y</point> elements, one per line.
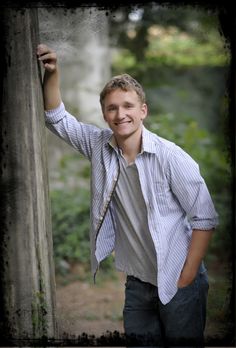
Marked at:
<point>129,95</point>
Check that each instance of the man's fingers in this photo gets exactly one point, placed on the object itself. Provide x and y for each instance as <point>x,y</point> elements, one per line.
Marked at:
<point>42,49</point>
<point>48,56</point>
<point>49,67</point>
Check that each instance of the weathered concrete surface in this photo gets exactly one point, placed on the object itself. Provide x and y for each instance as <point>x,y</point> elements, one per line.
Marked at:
<point>81,40</point>
<point>27,271</point>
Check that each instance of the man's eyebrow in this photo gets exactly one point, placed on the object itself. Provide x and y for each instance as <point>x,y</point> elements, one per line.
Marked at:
<point>111,105</point>
<point>128,103</point>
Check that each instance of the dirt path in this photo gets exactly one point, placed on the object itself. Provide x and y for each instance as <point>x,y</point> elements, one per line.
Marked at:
<point>95,309</point>
<point>89,308</point>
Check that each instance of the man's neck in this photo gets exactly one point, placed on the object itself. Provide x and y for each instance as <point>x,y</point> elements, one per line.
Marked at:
<point>130,146</point>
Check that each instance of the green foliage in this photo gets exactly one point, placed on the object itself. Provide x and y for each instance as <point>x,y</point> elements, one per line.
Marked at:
<point>170,46</point>
<point>124,60</point>
<point>70,224</point>
<point>179,50</point>
<point>169,36</point>
<point>72,167</point>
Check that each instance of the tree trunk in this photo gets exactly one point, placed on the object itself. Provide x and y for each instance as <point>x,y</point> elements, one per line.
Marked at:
<point>27,289</point>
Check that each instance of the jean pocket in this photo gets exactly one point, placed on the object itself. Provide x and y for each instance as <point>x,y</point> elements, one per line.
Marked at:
<point>187,286</point>
<point>187,292</point>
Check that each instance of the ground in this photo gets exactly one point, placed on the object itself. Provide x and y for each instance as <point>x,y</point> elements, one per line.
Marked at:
<point>83,307</point>
<point>91,308</point>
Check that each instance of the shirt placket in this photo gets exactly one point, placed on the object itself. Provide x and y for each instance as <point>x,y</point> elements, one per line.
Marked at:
<point>107,202</point>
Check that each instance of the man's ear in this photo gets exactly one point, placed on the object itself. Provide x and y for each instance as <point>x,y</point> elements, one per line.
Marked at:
<point>144,110</point>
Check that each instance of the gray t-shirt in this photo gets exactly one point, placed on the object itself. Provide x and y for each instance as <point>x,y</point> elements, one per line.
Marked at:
<point>134,249</point>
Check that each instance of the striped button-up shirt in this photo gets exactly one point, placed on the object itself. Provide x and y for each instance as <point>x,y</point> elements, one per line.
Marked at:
<point>175,194</point>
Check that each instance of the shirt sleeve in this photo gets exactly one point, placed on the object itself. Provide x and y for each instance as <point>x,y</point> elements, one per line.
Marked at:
<point>191,191</point>
<point>80,136</point>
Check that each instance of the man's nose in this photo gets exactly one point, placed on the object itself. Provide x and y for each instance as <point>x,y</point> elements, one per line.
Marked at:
<point>120,113</point>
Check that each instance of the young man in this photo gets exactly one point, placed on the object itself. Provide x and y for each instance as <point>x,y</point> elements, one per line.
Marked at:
<point>149,204</point>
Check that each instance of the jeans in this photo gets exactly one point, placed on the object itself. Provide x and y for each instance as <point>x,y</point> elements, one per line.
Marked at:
<point>181,322</point>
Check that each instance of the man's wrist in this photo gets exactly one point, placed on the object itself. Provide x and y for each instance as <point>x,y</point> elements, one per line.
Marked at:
<point>188,273</point>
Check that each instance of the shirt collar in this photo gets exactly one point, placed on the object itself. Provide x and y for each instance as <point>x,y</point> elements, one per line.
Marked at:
<point>148,143</point>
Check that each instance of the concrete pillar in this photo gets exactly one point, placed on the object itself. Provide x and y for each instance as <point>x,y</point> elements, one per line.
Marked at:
<point>27,283</point>
<point>81,40</point>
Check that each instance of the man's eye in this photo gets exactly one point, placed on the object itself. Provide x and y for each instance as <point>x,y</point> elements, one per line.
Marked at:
<point>111,108</point>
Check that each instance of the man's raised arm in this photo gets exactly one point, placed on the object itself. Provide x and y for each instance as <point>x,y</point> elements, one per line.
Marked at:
<point>51,83</point>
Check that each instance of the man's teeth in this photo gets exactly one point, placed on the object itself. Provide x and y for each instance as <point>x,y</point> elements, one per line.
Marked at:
<point>118,123</point>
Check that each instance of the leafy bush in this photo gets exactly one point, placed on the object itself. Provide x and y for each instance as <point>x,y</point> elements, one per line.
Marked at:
<point>70,225</point>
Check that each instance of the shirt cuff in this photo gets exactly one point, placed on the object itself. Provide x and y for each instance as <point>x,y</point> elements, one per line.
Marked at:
<point>203,225</point>
<point>55,115</point>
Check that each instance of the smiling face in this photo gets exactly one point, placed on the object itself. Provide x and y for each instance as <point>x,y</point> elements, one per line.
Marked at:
<point>124,113</point>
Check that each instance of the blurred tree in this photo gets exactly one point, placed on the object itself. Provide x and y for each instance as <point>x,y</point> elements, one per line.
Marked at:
<point>179,56</point>
<point>129,26</point>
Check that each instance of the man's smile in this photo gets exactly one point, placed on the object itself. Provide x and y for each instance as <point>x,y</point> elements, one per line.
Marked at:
<point>122,122</point>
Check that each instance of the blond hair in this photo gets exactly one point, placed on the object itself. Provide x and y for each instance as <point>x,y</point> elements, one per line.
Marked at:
<point>124,82</point>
